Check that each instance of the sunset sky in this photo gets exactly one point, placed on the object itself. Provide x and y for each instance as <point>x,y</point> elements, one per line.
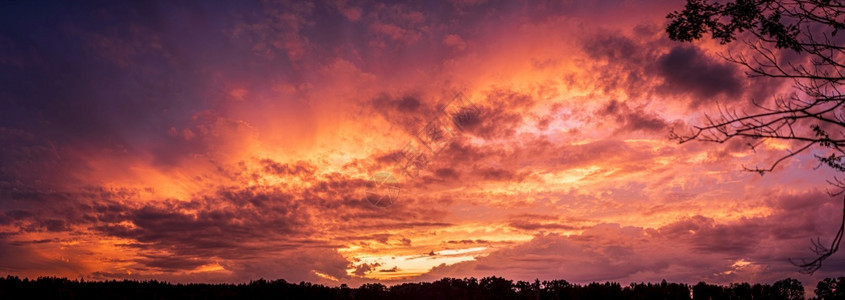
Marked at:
<point>224,141</point>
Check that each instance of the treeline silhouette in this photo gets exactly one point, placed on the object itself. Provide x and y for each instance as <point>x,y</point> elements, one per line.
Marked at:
<point>12,287</point>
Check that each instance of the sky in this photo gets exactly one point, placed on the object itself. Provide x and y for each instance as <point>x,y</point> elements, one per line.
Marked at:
<point>351,142</point>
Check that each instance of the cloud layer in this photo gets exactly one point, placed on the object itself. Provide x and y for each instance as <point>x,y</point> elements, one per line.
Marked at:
<point>204,141</point>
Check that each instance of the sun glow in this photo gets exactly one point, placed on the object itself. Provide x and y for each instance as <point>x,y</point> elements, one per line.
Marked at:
<point>408,266</point>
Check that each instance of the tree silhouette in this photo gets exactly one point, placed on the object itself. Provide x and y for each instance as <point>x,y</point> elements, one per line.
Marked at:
<point>12,287</point>
<point>831,288</point>
<point>790,39</point>
<point>788,289</point>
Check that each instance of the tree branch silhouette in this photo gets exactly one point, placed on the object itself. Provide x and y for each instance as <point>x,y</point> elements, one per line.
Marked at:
<point>789,39</point>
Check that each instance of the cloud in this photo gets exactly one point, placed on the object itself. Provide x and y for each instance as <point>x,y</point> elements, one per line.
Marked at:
<point>633,119</point>
<point>27,259</point>
<point>617,63</point>
<point>686,69</point>
<point>689,250</point>
<point>190,142</point>
<point>396,25</point>
<point>455,41</point>
<point>365,268</point>
<point>533,226</point>
<point>680,72</point>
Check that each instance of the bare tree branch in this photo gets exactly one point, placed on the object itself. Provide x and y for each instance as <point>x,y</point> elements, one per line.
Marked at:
<point>822,251</point>
<point>812,118</point>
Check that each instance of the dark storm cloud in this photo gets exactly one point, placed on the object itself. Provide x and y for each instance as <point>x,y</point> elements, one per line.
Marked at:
<point>686,69</point>
<point>673,69</point>
<point>620,59</point>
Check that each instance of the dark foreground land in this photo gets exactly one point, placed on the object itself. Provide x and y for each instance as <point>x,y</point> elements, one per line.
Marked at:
<point>447,288</point>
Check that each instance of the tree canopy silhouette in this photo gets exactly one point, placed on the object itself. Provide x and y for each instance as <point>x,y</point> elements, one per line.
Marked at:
<point>13,287</point>
<point>791,39</point>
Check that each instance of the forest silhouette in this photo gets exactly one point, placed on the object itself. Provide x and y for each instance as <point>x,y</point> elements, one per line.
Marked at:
<point>12,287</point>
